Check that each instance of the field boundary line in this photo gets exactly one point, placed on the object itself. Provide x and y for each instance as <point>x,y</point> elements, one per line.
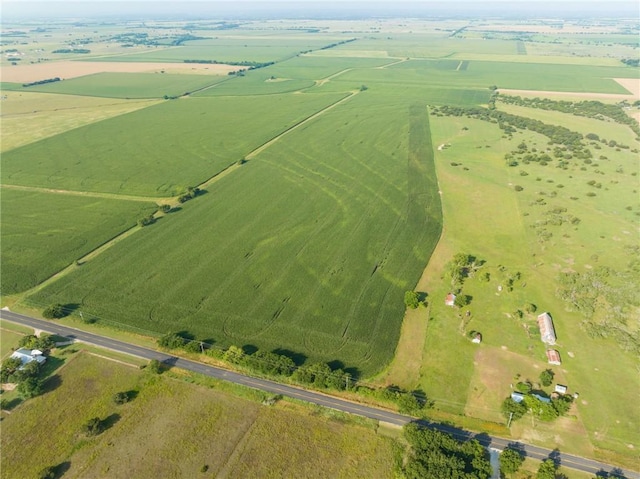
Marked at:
<point>91,194</point>
<point>266,145</point>
<point>238,451</point>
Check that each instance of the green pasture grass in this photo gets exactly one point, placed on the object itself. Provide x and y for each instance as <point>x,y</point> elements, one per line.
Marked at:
<point>143,436</point>
<point>46,430</point>
<point>15,328</point>
<point>339,450</point>
<point>50,114</point>
<point>175,144</point>
<point>525,76</point>
<point>256,262</point>
<point>608,129</point>
<point>499,231</point>
<point>43,232</point>
<point>8,341</point>
<point>129,85</point>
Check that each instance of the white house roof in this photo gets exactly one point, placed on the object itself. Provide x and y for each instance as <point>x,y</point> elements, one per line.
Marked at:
<point>561,389</point>
<point>28,355</point>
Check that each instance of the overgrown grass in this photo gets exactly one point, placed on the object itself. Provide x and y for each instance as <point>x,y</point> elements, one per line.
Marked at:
<point>162,429</point>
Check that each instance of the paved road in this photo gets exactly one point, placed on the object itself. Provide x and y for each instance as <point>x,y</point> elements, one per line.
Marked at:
<point>565,460</point>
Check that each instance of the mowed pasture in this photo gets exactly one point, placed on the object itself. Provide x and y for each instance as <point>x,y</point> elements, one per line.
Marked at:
<point>49,114</point>
<point>175,144</point>
<point>43,233</point>
<point>308,248</point>
<point>127,85</point>
<point>172,429</point>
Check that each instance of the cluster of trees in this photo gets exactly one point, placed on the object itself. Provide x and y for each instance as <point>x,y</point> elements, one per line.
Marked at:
<point>408,402</point>
<point>41,82</point>
<point>632,62</point>
<point>177,341</point>
<point>545,411</point>
<point>146,221</point>
<point>192,192</point>
<point>412,299</point>
<point>333,45</point>
<point>461,267</point>
<point>587,108</point>
<point>27,377</point>
<point>72,50</point>
<point>607,299</point>
<point>54,311</point>
<point>435,455</point>
<point>510,123</point>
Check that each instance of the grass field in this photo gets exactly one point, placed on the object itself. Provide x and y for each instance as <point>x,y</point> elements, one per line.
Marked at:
<point>503,235</point>
<point>8,341</point>
<point>175,144</point>
<point>48,115</point>
<point>266,270</point>
<point>128,85</point>
<point>161,432</point>
<point>43,233</point>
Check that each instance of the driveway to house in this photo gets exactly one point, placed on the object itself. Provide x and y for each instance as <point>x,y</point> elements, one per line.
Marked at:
<point>535,452</point>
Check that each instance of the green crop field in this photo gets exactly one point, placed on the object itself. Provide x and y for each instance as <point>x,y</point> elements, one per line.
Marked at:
<point>128,85</point>
<point>48,114</point>
<point>230,49</point>
<point>142,437</point>
<point>263,268</point>
<point>175,144</point>
<point>43,232</point>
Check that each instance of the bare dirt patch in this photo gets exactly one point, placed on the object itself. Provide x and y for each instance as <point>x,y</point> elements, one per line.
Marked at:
<point>71,69</point>
<point>574,94</point>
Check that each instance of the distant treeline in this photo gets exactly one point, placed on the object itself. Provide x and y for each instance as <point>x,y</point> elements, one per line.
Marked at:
<point>632,62</point>
<point>332,45</point>
<point>72,50</point>
<point>41,82</point>
<point>251,65</point>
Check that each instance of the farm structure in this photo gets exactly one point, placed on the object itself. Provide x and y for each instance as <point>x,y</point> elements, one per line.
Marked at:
<point>561,389</point>
<point>547,333</point>
<point>553,357</point>
<point>26,356</point>
<point>450,300</point>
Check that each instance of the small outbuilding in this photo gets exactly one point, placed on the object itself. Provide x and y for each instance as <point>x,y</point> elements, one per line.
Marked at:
<point>26,356</point>
<point>450,300</point>
<point>542,398</point>
<point>517,397</point>
<point>477,338</point>
<point>560,389</point>
<point>547,332</point>
<point>553,357</point>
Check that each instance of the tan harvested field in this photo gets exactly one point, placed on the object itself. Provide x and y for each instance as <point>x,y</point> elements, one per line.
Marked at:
<point>48,114</point>
<point>579,95</point>
<point>564,29</point>
<point>71,69</point>
<point>631,84</point>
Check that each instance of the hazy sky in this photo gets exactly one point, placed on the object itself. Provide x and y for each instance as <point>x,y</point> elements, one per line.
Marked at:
<point>317,8</point>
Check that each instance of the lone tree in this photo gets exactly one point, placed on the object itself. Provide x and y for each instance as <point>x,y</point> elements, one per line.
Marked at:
<point>546,377</point>
<point>54,311</point>
<point>30,387</point>
<point>121,397</point>
<point>411,299</point>
<point>510,461</point>
<point>547,470</point>
<point>93,427</point>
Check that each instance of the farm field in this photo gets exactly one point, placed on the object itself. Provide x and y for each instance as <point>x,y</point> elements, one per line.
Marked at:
<point>43,232</point>
<point>49,114</point>
<point>265,270</point>
<point>128,85</point>
<point>186,142</point>
<point>143,436</point>
<point>332,180</point>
